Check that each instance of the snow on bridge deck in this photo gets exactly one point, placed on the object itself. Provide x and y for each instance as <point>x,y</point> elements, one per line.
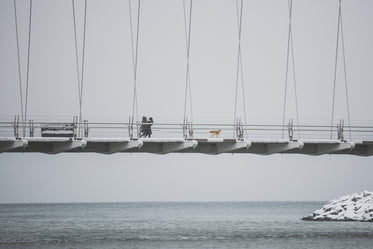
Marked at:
<point>211,146</point>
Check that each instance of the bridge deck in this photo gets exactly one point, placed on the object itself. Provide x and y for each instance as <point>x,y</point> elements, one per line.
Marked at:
<point>179,145</point>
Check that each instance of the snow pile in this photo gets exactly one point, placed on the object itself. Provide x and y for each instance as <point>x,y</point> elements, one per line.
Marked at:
<point>355,207</point>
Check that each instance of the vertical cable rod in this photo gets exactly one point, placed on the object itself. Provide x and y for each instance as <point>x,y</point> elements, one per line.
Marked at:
<point>83,60</point>
<point>133,61</point>
<point>242,80</point>
<point>287,67</point>
<point>136,55</point>
<point>28,70</point>
<point>345,75</point>
<point>335,69</point>
<point>186,49</point>
<point>290,2</point>
<point>239,63</point>
<point>77,60</point>
<point>188,28</point>
<point>135,58</point>
<point>19,64</point>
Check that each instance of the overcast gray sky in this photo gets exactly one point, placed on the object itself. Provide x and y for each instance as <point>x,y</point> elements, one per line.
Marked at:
<point>161,77</point>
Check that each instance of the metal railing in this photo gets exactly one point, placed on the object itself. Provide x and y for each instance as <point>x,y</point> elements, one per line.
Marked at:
<point>185,130</point>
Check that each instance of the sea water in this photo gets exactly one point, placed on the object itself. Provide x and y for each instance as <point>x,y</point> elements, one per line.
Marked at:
<point>176,225</point>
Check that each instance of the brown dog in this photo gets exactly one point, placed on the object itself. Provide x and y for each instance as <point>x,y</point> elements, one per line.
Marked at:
<point>214,133</point>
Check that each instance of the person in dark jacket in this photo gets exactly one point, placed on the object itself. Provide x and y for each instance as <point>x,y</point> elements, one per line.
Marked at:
<point>148,128</point>
<point>143,127</point>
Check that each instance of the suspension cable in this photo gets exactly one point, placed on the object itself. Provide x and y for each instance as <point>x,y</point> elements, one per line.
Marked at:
<point>345,75</point>
<point>188,29</point>
<point>28,69</point>
<point>19,62</point>
<point>83,60</point>
<point>241,68</point>
<point>190,97</point>
<point>242,78</point>
<point>77,60</point>
<point>335,69</point>
<point>185,26</point>
<point>239,62</point>
<point>295,86</point>
<point>293,63</point>
<point>186,49</point>
<point>134,58</point>
<point>136,55</point>
<point>290,2</point>
<point>243,94</point>
<point>189,80</point>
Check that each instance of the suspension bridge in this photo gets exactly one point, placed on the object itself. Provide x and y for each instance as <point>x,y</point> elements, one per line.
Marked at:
<point>79,135</point>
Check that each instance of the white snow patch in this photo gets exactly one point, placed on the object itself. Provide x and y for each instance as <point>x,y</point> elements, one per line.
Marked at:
<point>354,207</point>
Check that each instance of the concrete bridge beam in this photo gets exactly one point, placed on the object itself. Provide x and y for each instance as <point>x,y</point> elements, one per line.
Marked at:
<point>332,148</point>
<point>272,148</point>
<point>114,147</point>
<point>232,146</point>
<point>178,146</point>
<point>58,147</point>
<point>11,144</point>
<point>369,150</point>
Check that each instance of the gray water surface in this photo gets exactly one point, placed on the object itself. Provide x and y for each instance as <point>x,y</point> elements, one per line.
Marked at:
<point>176,225</point>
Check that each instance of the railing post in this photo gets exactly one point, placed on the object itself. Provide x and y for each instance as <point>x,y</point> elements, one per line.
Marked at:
<point>130,128</point>
<point>340,129</point>
<point>86,129</point>
<point>75,127</point>
<point>235,127</point>
<point>290,129</point>
<point>32,127</point>
<point>16,126</point>
<point>138,128</point>
<point>190,130</point>
<point>239,133</point>
<point>187,129</point>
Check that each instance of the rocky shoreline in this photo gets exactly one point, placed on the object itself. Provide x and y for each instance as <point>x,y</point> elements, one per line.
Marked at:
<point>354,207</point>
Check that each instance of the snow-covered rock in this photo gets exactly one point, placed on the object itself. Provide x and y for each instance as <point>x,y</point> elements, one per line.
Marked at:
<point>355,207</point>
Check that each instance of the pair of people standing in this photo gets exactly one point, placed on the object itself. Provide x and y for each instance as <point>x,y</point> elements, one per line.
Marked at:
<point>146,127</point>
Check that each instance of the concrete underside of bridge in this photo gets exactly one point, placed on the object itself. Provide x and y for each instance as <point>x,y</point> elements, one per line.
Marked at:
<point>164,146</point>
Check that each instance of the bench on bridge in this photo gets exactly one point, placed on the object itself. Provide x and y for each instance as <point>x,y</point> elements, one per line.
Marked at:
<point>58,130</point>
